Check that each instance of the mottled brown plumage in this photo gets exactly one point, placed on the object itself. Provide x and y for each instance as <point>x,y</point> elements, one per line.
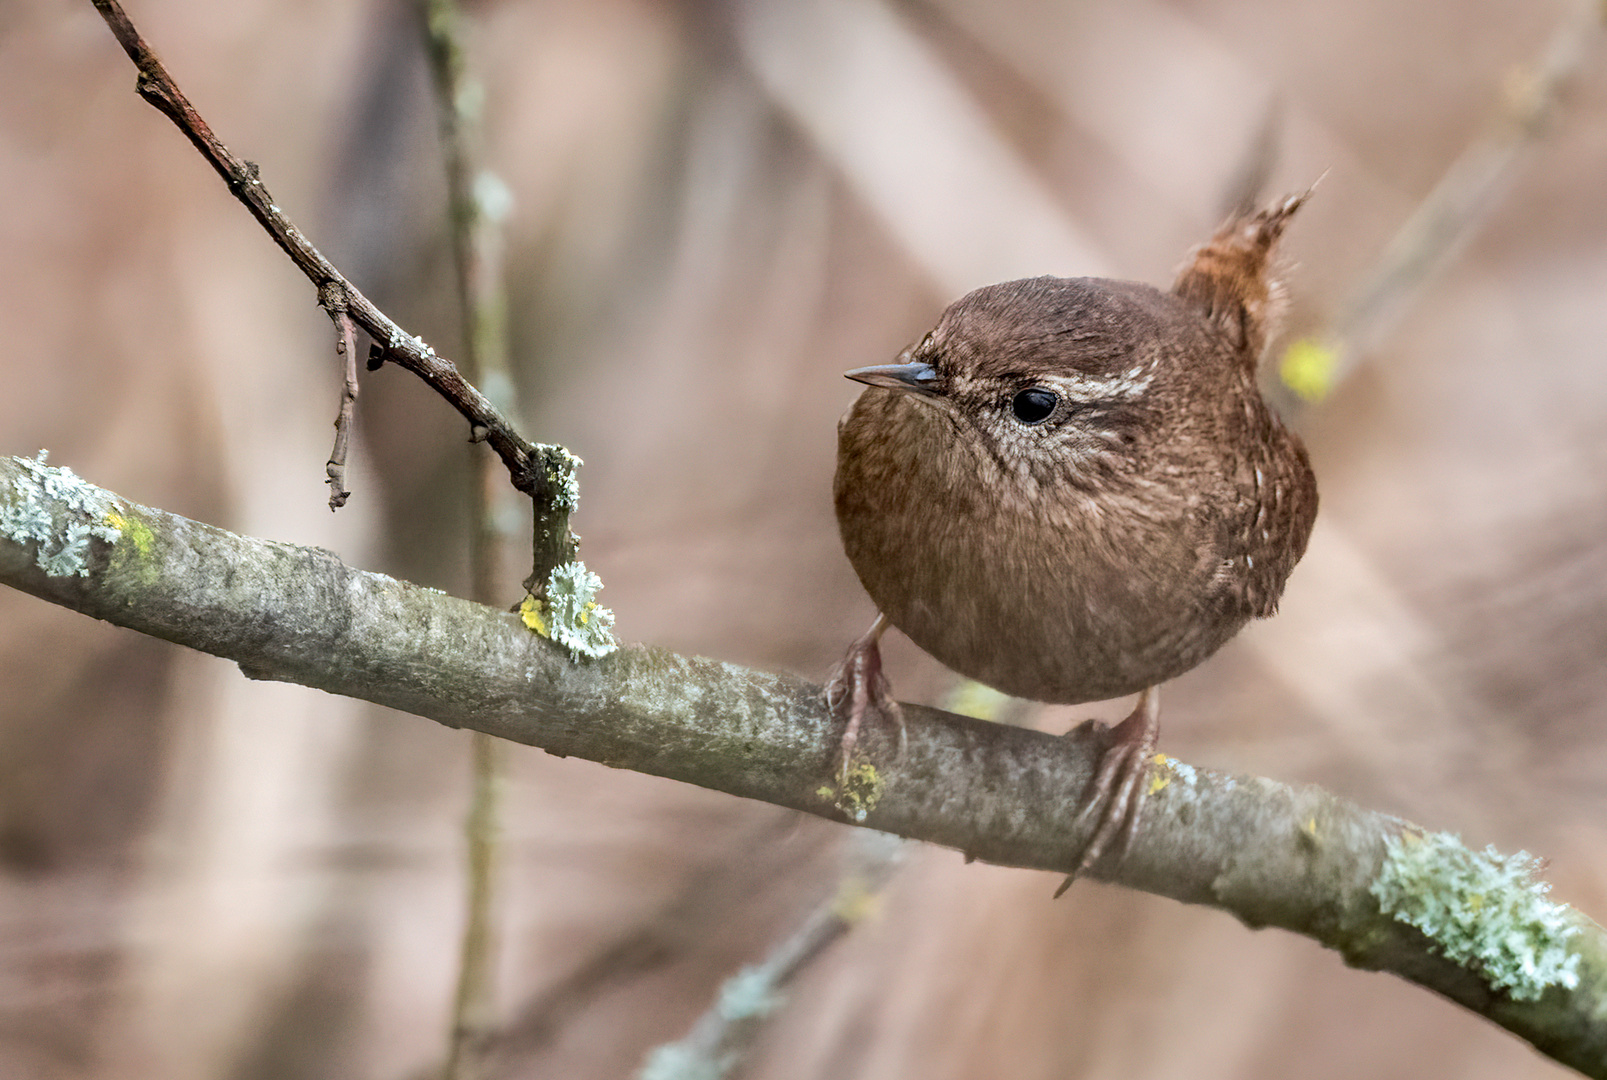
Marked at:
<point>1072,490</point>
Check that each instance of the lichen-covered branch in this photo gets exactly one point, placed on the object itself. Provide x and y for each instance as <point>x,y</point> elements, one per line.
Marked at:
<point>1272,855</point>
<point>545,472</point>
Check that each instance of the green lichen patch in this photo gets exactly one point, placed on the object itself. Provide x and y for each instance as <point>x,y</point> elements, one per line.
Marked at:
<point>570,615</point>
<point>60,512</point>
<point>135,530</point>
<point>1483,910</point>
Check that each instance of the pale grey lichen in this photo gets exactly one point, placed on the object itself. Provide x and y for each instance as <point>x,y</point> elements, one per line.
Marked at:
<point>492,196</point>
<point>1180,769</point>
<point>1483,910</point>
<point>750,994</point>
<point>573,617</point>
<point>678,1062</point>
<point>712,1050</point>
<point>61,512</point>
<point>563,480</point>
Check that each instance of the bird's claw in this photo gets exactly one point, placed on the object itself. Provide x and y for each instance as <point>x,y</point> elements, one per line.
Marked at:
<point>858,688</point>
<point>1115,798</point>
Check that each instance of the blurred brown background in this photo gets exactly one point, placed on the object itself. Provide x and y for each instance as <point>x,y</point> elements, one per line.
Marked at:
<point>718,208</point>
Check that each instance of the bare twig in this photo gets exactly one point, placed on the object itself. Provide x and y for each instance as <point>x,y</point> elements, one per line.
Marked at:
<point>346,349</point>
<point>544,472</point>
<point>1273,855</point>
<point>475,227</point>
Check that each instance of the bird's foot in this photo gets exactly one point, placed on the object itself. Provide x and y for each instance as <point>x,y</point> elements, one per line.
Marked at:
<point>858,689</point>
<point>1115,797</point>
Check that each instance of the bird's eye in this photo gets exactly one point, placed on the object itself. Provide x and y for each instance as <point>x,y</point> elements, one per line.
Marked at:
<point>1034,404</point>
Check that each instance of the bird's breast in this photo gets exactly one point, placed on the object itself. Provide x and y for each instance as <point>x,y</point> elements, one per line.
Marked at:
<point>1044,592</point>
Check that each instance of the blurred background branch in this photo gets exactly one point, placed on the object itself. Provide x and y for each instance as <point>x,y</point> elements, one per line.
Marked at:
<point>1531,101</point>
<point>477,205</point>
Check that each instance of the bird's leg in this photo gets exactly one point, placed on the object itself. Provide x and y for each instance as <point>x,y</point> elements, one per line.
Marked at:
<point>1115,797</point>
<point>858,687</point>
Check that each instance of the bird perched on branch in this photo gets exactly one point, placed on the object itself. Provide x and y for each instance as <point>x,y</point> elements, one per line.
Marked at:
<point>1071,490</point>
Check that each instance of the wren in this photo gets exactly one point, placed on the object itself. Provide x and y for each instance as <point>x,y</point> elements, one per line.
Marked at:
<point>1071,490</point>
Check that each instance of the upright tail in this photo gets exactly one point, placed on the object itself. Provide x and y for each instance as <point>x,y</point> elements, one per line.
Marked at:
<point>1232,280</point>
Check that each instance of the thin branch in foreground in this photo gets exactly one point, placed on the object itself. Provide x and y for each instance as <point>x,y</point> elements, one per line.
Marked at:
<point>1298,858</point>
<point>561,603</point>
<point>545,473</point>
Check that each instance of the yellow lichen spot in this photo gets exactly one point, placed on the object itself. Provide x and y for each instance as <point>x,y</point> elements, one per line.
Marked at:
<point>1476,901</point>
<point>585,612</point>
<point>827,792</point>
<point>1162,776</point>
<point>855,902</point>
<point>530,615</point>
<point>1309,368</point>
<point>131,529</point>
<point>1311,826</point>
<point>861,791</point>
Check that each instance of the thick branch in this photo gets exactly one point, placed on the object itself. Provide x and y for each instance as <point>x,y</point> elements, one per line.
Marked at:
<point>1272,855</point>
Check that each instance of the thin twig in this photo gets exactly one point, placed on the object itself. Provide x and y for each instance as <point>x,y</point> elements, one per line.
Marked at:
<point>346,349</point>
<point>544,472</point>
<point>723,1037</point>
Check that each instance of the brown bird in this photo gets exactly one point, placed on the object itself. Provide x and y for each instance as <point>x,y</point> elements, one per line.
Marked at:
<point>1071,490</point>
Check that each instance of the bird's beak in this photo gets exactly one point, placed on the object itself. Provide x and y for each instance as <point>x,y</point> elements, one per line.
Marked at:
<point>913,378</point>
